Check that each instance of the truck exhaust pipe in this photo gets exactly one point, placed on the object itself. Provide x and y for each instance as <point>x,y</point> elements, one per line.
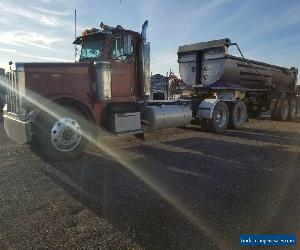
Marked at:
<point>145,63</point>
<point>144,30</point>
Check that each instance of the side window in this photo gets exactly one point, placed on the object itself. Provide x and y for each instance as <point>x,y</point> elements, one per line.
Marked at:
<point>122,48</point>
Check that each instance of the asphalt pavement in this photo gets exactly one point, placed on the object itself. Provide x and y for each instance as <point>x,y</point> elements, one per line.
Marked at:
<point>179,189</point>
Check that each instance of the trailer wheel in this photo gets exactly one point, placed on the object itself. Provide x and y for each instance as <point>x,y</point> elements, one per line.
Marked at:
<point>238,115</point>
<point>219,121</point>
<point>282,109</point>
<point>63,137</point>
<point>292,109</point>
<point>273,109</point>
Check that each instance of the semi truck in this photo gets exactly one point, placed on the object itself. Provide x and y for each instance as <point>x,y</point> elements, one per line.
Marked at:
<point>55,105</point>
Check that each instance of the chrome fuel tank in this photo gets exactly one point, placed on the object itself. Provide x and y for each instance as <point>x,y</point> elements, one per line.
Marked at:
<point>167,116</point>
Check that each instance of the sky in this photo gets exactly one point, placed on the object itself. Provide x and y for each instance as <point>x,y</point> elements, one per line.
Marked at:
<point>43,30</point>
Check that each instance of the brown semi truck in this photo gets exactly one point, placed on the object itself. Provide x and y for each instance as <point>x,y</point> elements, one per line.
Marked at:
<point>59,106</point>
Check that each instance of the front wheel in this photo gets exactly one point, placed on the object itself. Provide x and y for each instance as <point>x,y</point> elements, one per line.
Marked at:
<point>61,137</point>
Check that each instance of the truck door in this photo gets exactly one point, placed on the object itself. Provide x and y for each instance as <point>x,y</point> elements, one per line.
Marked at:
<point>122,75</point>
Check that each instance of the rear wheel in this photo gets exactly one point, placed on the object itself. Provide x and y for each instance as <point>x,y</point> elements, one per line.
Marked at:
<point>219,121</point>
<point>273,109</point>
<point>282,109</point>
<point>292,109</point>
<point>62,137</point>
<point>238,115</point>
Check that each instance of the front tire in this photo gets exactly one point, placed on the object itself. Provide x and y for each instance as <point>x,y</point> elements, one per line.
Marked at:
<point>62,137</point>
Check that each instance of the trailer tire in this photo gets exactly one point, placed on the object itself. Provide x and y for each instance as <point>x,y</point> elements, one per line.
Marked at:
<point>219,121</point>
<point>273,109</point>
<point>54,138</point>
<point>292,109</point>
<point>282,109</point>
<point>238,115</point>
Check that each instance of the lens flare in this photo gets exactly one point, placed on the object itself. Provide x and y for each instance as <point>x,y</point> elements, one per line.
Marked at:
<point>53,109</point>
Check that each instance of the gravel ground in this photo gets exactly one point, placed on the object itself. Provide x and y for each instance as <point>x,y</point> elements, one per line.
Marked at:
<point>180,189</point>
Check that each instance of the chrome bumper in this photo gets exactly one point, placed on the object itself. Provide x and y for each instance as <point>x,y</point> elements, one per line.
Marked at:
<point>16,129</point>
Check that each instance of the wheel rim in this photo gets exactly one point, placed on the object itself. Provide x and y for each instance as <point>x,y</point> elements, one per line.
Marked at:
<point>66,134</point>
<point>221,117</point>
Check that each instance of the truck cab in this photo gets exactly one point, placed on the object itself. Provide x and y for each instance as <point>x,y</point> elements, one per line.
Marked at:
<point>115,55</point>
<point>107,86</point>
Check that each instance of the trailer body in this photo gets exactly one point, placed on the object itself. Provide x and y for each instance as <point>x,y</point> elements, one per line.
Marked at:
<point>209,66</point>
<point>209,70</point>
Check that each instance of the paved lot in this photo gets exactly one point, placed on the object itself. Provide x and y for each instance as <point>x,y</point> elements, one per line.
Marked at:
<point>181,189</point>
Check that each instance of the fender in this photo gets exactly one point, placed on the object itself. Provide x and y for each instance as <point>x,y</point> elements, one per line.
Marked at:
<point>63,99</point>
<point>206,108</point>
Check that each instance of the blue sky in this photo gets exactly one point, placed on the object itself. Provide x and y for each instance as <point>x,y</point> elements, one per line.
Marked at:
<point>44,31</point>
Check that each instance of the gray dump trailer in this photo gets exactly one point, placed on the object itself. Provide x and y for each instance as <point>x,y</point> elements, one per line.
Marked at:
<point>222,90</point>
<point>244,85</point>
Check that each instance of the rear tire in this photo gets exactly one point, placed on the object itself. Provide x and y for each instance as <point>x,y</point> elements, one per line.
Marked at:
<point>238,115</point>
<point>219,121</point>
<point>292,109</point>
<point>61,138</point>
<point>282,109</point>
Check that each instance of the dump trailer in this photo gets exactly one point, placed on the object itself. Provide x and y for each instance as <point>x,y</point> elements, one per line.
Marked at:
<point>244,85</point>
<point>59,107</point>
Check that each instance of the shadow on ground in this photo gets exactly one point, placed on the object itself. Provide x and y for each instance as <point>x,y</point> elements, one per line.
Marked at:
<point>233,188</point>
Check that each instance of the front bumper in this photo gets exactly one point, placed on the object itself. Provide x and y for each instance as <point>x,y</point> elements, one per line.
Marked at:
<point>16,129</point>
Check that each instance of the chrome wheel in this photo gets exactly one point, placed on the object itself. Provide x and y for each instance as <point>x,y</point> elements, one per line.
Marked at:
<point>66,134</point>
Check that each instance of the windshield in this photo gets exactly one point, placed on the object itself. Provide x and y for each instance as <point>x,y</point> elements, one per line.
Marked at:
<point>91,49</point>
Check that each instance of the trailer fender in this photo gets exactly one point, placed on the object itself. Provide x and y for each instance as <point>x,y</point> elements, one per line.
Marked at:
<point>206,108</point>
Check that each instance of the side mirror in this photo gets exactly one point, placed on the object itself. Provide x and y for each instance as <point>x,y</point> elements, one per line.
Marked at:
<point>127,45</point>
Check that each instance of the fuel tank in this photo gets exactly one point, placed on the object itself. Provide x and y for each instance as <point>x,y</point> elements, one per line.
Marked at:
<point>167,116</point>
<point>208,65</point>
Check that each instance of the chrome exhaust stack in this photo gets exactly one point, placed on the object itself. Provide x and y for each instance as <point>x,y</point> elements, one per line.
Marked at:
<point>145,63</point>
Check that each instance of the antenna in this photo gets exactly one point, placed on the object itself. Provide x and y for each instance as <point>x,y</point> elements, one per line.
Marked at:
<point>75,21</point>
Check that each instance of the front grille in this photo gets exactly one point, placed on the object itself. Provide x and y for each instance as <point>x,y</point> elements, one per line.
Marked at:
<point>12,98</point>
